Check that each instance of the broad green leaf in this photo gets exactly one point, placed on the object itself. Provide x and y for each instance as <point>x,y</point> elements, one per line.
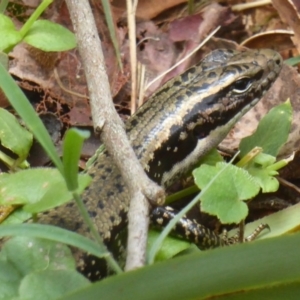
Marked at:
<point>4,60</point>
<point>234,270</point>
<point>6,22</point>
<point>17,217</point>
<point>9,35</point>
<point>278,292</point>
<point>13,136</point>
<point>267,182</point>
<point>71,153</point>
<point>20,103</point>
<point>49,36</point>
<point>34,16</point>
<point>37,189</point>
<point>272,131</point>
<point>9,280</point>
<point>225,198</point>
<point>258,168</point>
<point>9,38</point>
<point>29,254</point>
<point>170,248</point>
<point>264,160</point>
<point>54,233</point>
<point>34,268</point>
<point>51,284</point>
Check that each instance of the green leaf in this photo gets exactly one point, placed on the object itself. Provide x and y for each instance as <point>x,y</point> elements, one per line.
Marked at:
<point>9,280</point>
<point>293,61</point>
<point>234,270</point>
<point>6,22</point>
<point>264,160</point>
<point>231,188</point>
<point>12,38</point>
<point>29,254</point>
<point>9,35</point>
<point>272,131</point>
<point>13,136</point>
<point>51,284</point>
<point>20,103</point>
<point>277,292</point>
<point>34,268</point>
<point>71,153</point>
<point>268,183</point>
<point>4,60</point>
<point>49,36</point>
<point>17,217</point>
<point>170,248</point>
<point>258,168</point>
<point>56,234</point>
<point>37,189</point>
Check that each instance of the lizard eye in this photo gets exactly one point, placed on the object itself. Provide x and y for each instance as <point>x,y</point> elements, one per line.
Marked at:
<point>242,85</point>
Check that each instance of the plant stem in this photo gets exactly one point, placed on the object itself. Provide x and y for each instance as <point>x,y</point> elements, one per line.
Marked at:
<point>179,195</point>
<point>191,7</point>
<point>112,30</point>
<point>36,14</point>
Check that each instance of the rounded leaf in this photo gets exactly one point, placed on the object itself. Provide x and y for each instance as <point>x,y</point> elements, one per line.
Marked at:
<point>49,36</point>
<point>51,284</point>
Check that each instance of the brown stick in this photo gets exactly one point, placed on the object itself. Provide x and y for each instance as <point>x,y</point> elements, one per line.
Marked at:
<point>107,121</point>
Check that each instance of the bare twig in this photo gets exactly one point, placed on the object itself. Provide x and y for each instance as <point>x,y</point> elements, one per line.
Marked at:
<point>132,39</point>
<point>108,122</point>
<point>289,184</point>
<point>243,6</point>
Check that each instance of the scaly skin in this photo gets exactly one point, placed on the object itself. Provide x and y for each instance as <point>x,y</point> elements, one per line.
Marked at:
<point>187,117</point>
